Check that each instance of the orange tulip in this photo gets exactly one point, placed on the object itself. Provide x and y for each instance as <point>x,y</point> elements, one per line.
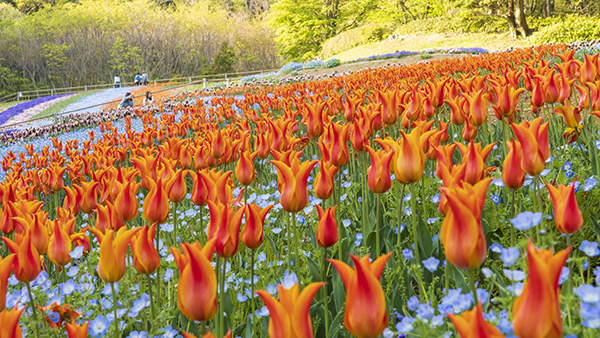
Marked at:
<point>327,232</point>
<point>462,234</point>
<point>244,168</point>
<point>126,204</point>
<point>106,218</point>
<point>379,180</point>
<point>156,204</point>
<point>6,267</point>
<point>339,154</point>
<point>145,257</point>
<point>507,100</point>
<point>208,335</point>
<point>513,175</point>
<point>365,314</point>
<point>218,144</point>
<point>474,160</point>
<point>536,312</point>
<point>534,140</point>
<point>176,187</point>
<point>59,246</point>
<point>76,331</point>
<point>89,196</point>
<point>567,215</point>
<point>10,324</point>
<point>409,158</point>
<point>324,181</point>
<point>572,118</point>
<point>197,288</point>
<point>252,233</point>
<point>39,232</point>
<point>228,234</point>
<point>27,261</point>
<point>55,177</point>
<point>294,178</point>
<point>289,315</point>
<point>204,189</point>
<point>477,108</point>
<point>112,264</point>
<point>472,325</point>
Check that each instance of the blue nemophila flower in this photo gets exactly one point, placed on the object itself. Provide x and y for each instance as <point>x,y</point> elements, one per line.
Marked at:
<point>498,182</point>
<point>576,185</point>
<point>590,183</point>
<point>497,248</point>
<point>263,312</point>
<point>169,332</point>
<point>432,220</point>
<point>516,288</point>
<point>407,197</point>
<point>136,334</point>
<point>487,272</point>
<point>495,199</point>
<point>68,287</point>
<point>588,293</point>
<point>358,239</point>
<point>514,275</point>
<point>241,298</point>
<point>509,256</point>
<point>73,271</point>
<point>526,220</point>
<point>167,227</point>
<point>98,326</point>
<point>424,311</point>
<point>413,303</point>
<point>505,326</point>
<point>431,263</point>
<point>408,254</point>
<point>289,280</point>
<point>53,316</point>
<point>168,275</point>
<point>569,173</point>
<point>589,248</point>
<point>276,230</point>
<point>387,333</point>
<point>76,253</point>
<point>564,275</point>
<point>346,223</point>
<point>591,315</point>
<point>545,172</point>
<point>261,257</point>
<point>271,289</point>
<point>405,326</point>
<point>107,291</point>
<point>435,198</point>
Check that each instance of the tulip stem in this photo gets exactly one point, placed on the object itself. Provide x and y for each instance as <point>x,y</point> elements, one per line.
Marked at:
<point>337,214</point>
<point>570,285</point>
<point>218,318</point>
<point>114,296</point>
<point>472,285</point>
<point>33,311</point>
<point>289,243</point>
<point>377,247</point>
<point>151,298</point>
<point>175,223</point>
<point>221,300</point>
<point>413,215</point>
<point>252,290</point>
<point>157,239</point>
<point>400,213</point>
<point>512,215</point>
<point>56,203</point>
<point>325,303</point>
<point>537,202</point>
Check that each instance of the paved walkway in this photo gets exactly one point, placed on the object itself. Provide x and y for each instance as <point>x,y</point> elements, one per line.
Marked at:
<point>97,98</point>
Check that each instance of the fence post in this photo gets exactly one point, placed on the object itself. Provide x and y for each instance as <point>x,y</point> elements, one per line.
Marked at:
<point>204,82</point>
<point>86,88</point>
<point>51,91</point>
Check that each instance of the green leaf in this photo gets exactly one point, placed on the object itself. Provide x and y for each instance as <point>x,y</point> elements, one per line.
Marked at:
<point>334,327</point>
<point>314,270</point>
<point>274,246</point>
<point>425,243</point>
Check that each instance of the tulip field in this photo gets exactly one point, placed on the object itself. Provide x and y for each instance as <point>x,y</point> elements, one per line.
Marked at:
<point>451,198</point>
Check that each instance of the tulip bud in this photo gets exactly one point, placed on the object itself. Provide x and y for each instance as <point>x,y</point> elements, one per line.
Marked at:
<point>327,232</point>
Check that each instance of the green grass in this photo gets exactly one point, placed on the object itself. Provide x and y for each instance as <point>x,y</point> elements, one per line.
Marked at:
<point>58,107</point>
<point>491,42</point>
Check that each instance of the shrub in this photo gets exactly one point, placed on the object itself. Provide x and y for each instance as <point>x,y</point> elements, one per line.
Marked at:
<point>333,62</point>
<point>290,67</point>
<point>568,29</point>
<point>314,64</point>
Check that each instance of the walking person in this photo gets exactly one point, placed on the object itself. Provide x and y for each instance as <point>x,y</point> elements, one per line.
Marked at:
<point>145,78</point>
<point>117,81</point>
<point>137,79</point>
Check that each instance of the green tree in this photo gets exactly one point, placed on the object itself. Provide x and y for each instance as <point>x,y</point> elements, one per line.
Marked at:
<point>303,26</point>
<point>224,60</point>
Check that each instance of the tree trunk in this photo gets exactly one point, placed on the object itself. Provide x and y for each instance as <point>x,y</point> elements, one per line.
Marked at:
<point>510,18</point>
<point>520,19</point>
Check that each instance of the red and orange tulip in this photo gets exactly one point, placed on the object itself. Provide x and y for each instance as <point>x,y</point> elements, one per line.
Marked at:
<point>513,175</point>
<point>59,246</point>
<point>126,204</point>
<point>27,261</point>
<point>145,257</point>
<point>379,180</point>
<point>289,315</point>
<point>462,234</point>
<point>252,233</point>
<point>6,267</point>
<point>112,264</point>
<point>77,331</point>
<point>409,158</point>
<point>472,324</point>
<point>567,215</point>
<point>324,181</point>
<point>197,278</point>
<point>294,177</point>
<point>365,315</point>
<point>227,236</point>
<point>10,324</point>
<point>536,312</point>
<point>327,232</point>
<point>156,204</point>
<point>534,140</point>
<point>244,168</point>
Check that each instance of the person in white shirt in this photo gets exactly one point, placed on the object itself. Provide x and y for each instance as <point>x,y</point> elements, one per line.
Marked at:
<point>117,81</point>
<point>148,98</point>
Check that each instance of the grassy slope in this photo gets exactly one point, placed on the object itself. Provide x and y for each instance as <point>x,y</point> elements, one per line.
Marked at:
<point>491,42</point>
<point>57,107</point>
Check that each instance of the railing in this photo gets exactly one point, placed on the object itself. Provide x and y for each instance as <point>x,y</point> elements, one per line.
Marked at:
<point>81,89</point>
<point>204,81</point>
